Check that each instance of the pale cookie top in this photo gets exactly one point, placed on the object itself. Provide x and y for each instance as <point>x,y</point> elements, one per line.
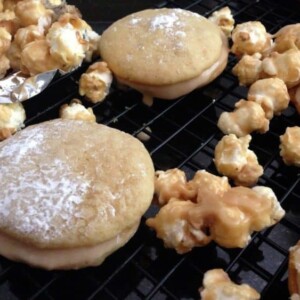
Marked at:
<point>161,46</point>
<point>70,183</point>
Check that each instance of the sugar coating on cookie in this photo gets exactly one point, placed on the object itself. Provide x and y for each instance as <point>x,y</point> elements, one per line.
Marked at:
<point>78,184</point>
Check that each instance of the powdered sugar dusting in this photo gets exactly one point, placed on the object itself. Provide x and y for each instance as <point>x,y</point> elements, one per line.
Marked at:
<point>48,198</point>
<point>134,21</point>
<point>180,33</point>
<point>164,21</point>
<point>37,198</point>
<point>30,141</point>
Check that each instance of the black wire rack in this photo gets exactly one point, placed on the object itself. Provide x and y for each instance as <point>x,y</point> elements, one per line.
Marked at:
<point>183,134</point>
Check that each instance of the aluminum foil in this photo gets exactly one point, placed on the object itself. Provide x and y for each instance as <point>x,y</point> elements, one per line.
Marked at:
<point>18,87</point>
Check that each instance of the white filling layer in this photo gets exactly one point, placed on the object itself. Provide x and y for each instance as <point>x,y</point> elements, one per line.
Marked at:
<point>68,258</point>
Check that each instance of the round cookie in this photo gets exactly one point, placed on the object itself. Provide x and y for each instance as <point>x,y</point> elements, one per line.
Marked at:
<point>164,47</point>
<point>71,185</point>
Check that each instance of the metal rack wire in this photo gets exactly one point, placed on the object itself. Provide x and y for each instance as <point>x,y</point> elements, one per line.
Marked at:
<point>183,133</point>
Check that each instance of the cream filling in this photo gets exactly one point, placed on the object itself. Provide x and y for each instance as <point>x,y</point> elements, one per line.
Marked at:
<point>68,258</point>
<point>176,90</point>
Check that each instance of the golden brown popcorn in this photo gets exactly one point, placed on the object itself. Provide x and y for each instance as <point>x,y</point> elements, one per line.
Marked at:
<point>248,69</point>
<point>234,160</point>
<point>224,19</point>
<point>285,66</point>
<point>293,271</point>
<point>12,117</point>
<point>10,4</point>
<point>173,184</point>
<point>76,111</point>
<point>247,117</point>
<point>215,185</point>
<point>290,146</point>
<point>28,34</point>
<point>14,56</point>
<point>226,215</point>
<point>4,66</point>
<point>178,227</point>
<point>36,58</point>
<point>23,37</point>
<point>271,94</point>
<point>217,286</point>
<point>71,40</point>
<point>33,12</point>
<point>95,83</point>
<point>294,94</point>
<point>250,38</point>
<point>9,21</point>
<point>288,37</point>
<point>5,40</point>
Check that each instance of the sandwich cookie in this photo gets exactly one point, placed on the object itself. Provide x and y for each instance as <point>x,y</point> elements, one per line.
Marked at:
<point>164,53</point>
<point>71,193</point>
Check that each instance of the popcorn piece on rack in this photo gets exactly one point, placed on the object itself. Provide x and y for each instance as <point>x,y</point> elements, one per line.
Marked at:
<point>248,69</point>
<point>290,146</point>
<point>4,66</point>
<point>14,56</point>
<point>36,58</point>
<point>10,4</point>
<point>76,111</point>
<point>224,19</point>
<point>277,213</point>
<point>218,285</point>
<point>294,94</point>
<point>71,40</point>
<point>95,83</point>
<point>215,185</point>
<point>248,116</point>
<point>288,37</point>
<point>86,33</point>
<point>285,66</point>
<point>12,117</point>
<point>5,40</point>
<point>173,184</point>
<point>33,12</point>
<point>250,38</point>
<point>28,34</point>
<point>178,228</point>
<point>234,160</point>
<point>228,217</point>
<point>293,271</point>
<point>23,37</point>
<point>271,94</point>
<point>9,21</point>
<point>66,45</point>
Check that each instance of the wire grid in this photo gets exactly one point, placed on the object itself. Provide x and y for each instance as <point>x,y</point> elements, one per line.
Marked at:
<point>183,133</point>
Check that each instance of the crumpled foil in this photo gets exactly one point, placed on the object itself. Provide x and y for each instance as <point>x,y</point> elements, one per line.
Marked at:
<point>18,87</point>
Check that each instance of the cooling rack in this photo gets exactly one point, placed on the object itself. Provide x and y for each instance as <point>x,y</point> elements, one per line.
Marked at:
<point>183,134</point>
